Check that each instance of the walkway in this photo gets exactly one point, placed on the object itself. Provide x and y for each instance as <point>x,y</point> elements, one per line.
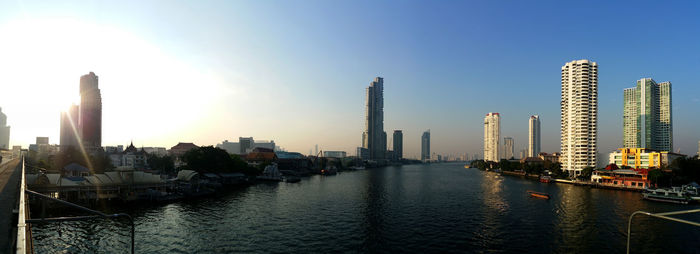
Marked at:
<point>9,183</point>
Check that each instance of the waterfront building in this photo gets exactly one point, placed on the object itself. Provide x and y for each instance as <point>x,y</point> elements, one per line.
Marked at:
<point>579,115</point>
<point>4,131</point>
<point>642,158</point>
<point>90,119</point>
<point>492,135</point>
<point>114,149</point>
<point>647,120</point>
<point>181,148</point>
<point>131,157</point>
<point>534,145</point>
<point>245,145</point>
<point>425,146</point>
<point>398,145</point>
<point>70,130</point>
<point>363,153</point>
<point>508,148</point>
<point>334,154</point>
<point>621,178</point>
<point>374,137</point>
<point>157,151</point>
<point>698,148</point>
<point>554,157</point>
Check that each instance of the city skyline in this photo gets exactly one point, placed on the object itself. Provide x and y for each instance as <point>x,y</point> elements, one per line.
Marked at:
<point>179,90</point>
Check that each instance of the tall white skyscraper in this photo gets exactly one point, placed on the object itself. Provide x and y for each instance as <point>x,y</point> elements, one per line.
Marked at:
<point>533,137</point>
<point>579,115</point>
<point>4,132</point>
<point>374,137</point>
<point>508,148</point>
<point>492,135</point>
<point>647,121</point>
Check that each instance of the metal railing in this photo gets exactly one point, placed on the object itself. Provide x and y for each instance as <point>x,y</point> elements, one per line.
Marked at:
<point>664,216</point>
<point>22,244</point>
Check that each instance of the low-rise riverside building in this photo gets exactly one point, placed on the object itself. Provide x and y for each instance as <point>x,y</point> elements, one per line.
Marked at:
<point>621,178</point>
<point>642,158</point>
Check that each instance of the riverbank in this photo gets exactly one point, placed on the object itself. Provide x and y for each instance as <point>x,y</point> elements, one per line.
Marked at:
<point>573,182</point>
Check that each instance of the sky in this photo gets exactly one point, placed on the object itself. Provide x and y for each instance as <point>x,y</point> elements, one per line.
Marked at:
<point>296,71</point>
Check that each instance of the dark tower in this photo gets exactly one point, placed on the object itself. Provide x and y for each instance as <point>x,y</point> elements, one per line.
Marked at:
<point>90,120</point>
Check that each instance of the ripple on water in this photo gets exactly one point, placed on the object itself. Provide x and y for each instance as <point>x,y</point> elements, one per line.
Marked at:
<point>437,208</point>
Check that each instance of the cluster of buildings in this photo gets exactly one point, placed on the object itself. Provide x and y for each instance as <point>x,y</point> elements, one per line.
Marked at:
<point>374,139</point>
<point>647,125</point>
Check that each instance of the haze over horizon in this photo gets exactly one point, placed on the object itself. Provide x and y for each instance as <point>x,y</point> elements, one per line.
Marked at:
<point>296,72</point>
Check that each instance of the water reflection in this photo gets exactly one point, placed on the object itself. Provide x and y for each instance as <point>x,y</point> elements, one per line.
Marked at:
<point>434,208</point>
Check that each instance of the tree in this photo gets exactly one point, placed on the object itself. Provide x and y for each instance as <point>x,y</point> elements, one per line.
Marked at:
<point>586,173</point>
<point>164,164</point>
<point>208,159</point>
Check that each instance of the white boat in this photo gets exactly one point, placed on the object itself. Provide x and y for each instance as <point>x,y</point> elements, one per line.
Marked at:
<point>271,173</point>
<point>674,195</point>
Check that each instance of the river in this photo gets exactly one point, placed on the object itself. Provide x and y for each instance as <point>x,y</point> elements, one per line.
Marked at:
<point>432,208</point>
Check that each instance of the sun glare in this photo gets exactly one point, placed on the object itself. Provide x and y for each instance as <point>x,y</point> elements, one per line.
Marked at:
<point>43,59</point>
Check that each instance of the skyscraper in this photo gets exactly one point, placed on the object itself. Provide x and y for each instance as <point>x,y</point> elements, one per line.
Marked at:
<point>492,135</point>
<point>533,146</point>
<point>398,144</point>
<point>374,137</point>
<point>4,132</point>
<point>579,115</point>
<point>508,148</point>
<point>90,119</point>
<point>70,130</point>
<point>425,146</point>
<point>647,121</point>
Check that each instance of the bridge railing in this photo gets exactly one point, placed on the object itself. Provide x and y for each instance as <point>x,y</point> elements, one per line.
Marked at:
<point>664,216</point>
<point>23,243</point>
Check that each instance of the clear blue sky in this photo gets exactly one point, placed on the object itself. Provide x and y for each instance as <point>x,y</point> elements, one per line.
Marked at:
<point>295,71</point>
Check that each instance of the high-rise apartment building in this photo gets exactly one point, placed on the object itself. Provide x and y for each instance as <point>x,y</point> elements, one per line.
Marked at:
<point>425,146</point>
<point>374,137</point>
<point>398,144</point>
<point>4,132</point>
<point>492,135</point>
<point>579,115</point>
<point>508,148</point>
<point>90,119</point>
<point>70,131</point>
<point>647,121</point>
<point>533,137</point>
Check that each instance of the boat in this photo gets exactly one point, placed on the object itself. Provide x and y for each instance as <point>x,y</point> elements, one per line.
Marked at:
<point>538,194</point>
<point>545,179</point>
<point>692,190</point>
<point>329,171</point>
<point>673,195</point>
<point>270,173</point>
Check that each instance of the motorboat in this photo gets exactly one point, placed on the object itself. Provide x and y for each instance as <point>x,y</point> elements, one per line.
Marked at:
<point>271,173</point>
<point>673,195</point>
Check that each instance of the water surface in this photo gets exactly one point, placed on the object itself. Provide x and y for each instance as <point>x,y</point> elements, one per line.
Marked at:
<point>434,208</point>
